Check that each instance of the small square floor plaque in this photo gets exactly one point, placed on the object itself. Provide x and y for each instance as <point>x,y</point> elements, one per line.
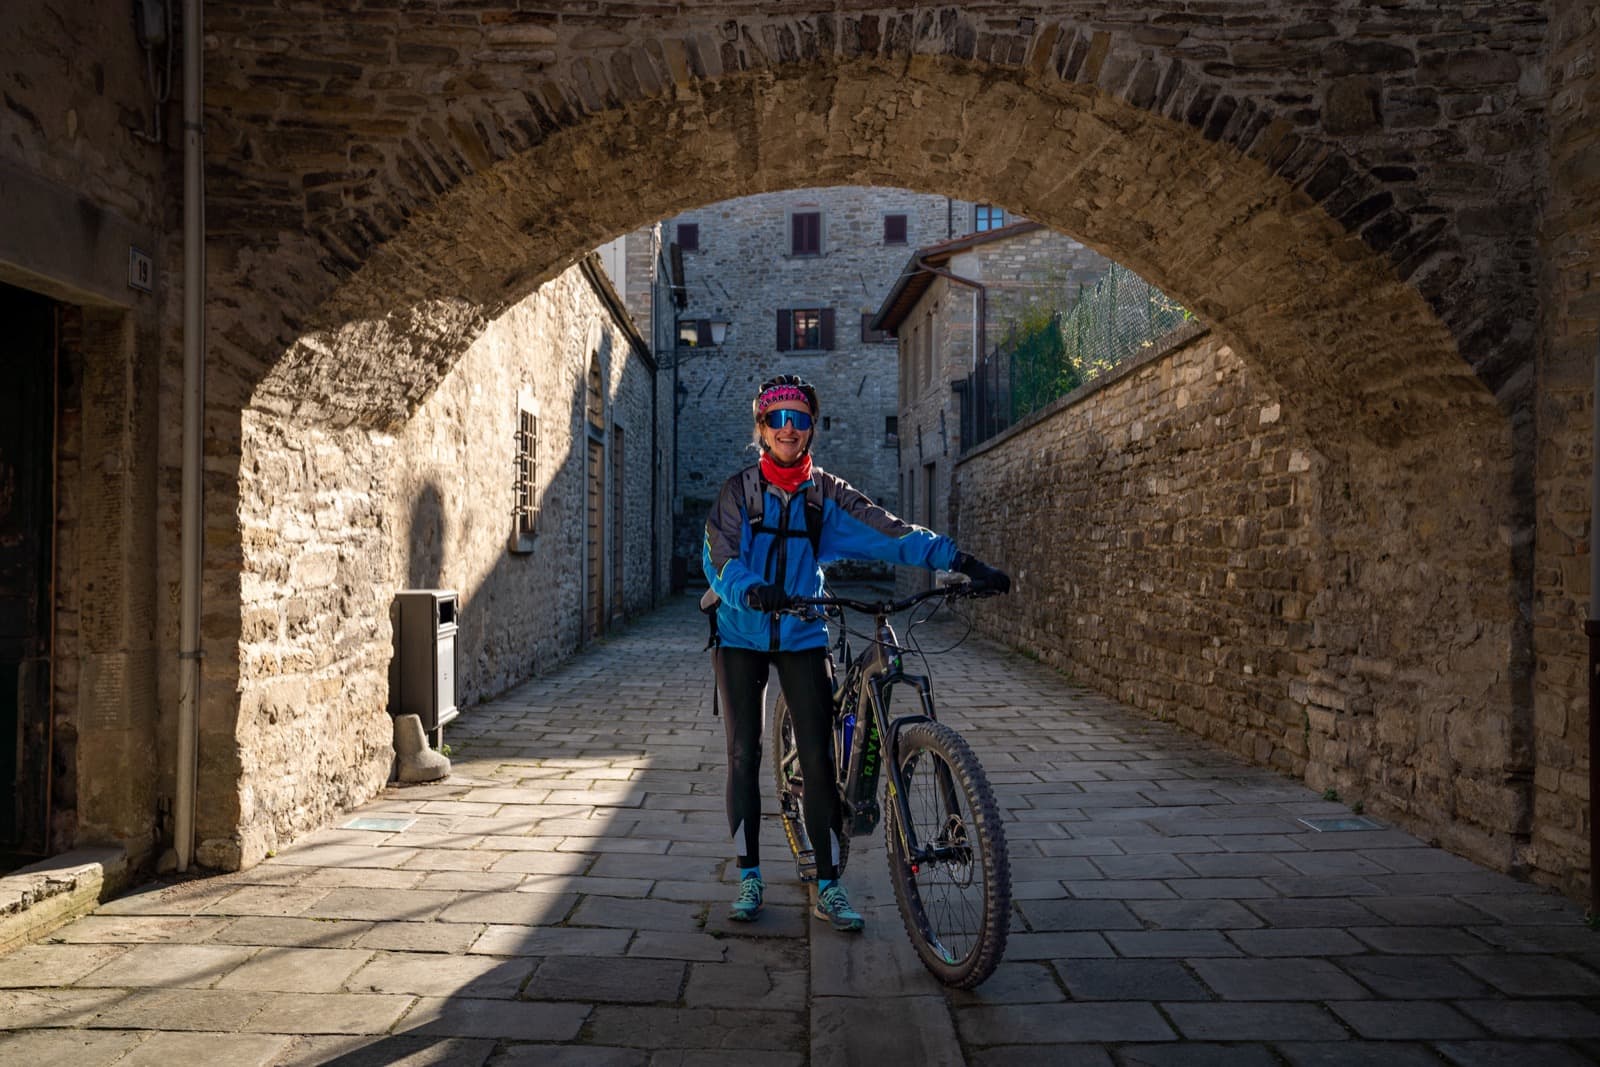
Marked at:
<point>368,822</point>
<point>1342,822</point>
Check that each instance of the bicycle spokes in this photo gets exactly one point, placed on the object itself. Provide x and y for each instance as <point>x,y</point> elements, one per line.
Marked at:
<point>950,872</point>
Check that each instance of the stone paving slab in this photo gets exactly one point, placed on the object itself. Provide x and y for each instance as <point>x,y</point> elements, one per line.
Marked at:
<point>561,899</point>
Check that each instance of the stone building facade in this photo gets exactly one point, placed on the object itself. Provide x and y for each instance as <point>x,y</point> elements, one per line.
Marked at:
<point>1018,269</point>
<point>783,309</point>
<point>337,521</point>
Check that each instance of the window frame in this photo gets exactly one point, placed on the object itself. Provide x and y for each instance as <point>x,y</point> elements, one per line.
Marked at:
<point>984,217</point>
<point>525,485</point>
<point>905,228</point>
<point>795,215</point>
<point>788,320</point>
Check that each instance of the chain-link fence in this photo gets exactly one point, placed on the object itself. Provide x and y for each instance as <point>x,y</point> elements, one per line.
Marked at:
<point>1121,316</point>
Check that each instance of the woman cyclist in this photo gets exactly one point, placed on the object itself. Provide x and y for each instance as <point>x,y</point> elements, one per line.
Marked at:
<point>769,531</point>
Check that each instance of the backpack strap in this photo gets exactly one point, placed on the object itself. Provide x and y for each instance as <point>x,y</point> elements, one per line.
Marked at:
<point>755,508</point>
<point>814,519</point>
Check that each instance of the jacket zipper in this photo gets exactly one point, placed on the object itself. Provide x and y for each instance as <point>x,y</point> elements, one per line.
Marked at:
<point>783,564</point>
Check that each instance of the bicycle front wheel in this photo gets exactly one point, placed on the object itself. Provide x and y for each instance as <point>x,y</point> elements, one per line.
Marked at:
<point>955,893</point>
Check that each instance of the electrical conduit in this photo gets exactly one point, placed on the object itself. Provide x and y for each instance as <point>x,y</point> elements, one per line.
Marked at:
<point>191,503</point>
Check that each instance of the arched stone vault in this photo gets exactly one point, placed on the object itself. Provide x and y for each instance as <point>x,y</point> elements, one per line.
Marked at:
<point>385,184</point>
<point>429,168</point>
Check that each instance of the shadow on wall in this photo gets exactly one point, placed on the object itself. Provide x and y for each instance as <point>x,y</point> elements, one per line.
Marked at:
<point>425,547</point>
<point>424,560</point>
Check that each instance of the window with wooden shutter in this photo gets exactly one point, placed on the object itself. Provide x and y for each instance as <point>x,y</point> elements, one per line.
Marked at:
<point>894,229</point>
<point>805,233</point>
<point>689,236</point>
<point>596,396</point>
<point>807,328</point>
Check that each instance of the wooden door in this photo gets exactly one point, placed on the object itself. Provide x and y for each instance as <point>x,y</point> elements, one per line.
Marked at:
<point>27,444</point>
<point>595,587</point>
<point>617,528</point>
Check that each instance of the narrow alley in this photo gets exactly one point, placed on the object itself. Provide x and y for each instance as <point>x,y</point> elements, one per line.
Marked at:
<point>561,900</point>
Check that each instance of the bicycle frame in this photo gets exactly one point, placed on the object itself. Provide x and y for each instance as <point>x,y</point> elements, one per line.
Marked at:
<point>873,677</point>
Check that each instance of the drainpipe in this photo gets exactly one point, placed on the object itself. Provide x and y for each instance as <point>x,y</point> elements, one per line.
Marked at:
<point>1592,628</point>
<point>191,504</point>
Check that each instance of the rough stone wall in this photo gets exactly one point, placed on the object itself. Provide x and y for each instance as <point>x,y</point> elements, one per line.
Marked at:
<point>1412,128</point>
<point>743,274</point>
<point>1565,410</point>
<point>1031,272</point>
<point>1179,542</point>
<point>336,521</point>
<point>74,99</point>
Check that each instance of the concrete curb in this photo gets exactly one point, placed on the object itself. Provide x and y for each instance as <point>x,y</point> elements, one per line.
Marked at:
<point>40,897</point>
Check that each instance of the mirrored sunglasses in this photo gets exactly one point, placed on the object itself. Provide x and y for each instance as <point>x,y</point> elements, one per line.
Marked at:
<point>800,420</point>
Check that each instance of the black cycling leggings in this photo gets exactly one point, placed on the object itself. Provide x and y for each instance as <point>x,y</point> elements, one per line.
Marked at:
<point>804,679</point>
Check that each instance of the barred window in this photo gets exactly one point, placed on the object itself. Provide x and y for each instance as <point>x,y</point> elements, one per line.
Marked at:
<point>527,494</point>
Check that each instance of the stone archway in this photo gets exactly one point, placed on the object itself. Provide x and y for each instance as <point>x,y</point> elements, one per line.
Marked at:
<point>481,152</point>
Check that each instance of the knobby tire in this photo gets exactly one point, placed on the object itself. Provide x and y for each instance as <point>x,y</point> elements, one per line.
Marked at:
<point>932,756</point>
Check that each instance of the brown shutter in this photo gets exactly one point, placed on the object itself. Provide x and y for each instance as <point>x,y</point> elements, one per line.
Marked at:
<point>689,236</point>
<point>702,331</point>
<point>894,229</point>
<point>805,233</point>
<point>785,329</point>
<point>827,329</point>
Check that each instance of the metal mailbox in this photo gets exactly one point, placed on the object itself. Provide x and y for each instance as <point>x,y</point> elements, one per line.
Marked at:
<point>425,653</point>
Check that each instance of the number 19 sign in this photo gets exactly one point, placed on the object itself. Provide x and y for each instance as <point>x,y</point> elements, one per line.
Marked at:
<point>141,270</point>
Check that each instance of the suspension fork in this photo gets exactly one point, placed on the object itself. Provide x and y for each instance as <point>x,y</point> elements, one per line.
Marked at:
<point>877,687</point>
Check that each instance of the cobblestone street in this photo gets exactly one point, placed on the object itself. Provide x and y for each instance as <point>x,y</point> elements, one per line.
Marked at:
<point>561,900</point>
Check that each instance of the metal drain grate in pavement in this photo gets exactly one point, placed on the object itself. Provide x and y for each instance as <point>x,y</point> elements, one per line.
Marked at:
<point>367,822</point>
<point>1339,823</point>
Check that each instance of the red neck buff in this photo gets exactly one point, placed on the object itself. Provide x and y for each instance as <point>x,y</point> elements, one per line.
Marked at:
<point>786,478</point>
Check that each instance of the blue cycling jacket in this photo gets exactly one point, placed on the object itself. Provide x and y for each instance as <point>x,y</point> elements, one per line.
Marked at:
<point>778,551</point>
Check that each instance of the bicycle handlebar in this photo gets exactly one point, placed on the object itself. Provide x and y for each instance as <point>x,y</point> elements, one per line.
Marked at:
<point>889,607</point>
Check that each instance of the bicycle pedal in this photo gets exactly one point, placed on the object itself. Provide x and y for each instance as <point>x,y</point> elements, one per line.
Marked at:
<point>805,865</point>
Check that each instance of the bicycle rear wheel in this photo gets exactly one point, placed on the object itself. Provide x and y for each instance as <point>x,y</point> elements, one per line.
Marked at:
<point>791,789</point>
<point>956,901</point>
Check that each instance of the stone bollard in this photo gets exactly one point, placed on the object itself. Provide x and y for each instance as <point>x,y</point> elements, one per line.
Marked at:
<point>418,762</point>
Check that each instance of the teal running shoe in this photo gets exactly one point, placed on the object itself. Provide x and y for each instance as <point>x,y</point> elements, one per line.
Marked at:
<point>834,906</point>
<point>748,904</point>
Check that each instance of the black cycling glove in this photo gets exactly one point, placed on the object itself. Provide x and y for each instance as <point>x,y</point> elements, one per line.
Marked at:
<point>984,577</point>
<point>767,598</point>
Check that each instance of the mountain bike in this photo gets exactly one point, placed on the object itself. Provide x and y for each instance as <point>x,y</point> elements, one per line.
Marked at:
<point>946,846</point>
